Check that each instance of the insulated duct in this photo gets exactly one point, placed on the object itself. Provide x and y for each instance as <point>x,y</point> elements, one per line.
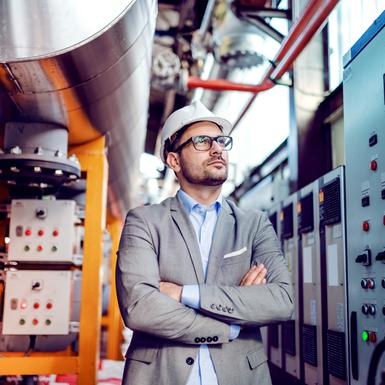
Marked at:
<point>84,66</point>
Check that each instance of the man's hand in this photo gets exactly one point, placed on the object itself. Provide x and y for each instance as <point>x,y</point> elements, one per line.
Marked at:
<point>255,276</point>
<point>171,289</point>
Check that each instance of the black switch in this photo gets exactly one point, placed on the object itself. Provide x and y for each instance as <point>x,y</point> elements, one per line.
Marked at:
<point>383,193</point>
<point>365,201</point>
<point>365,258</point>
<point>380,256</point>
<point>373,140</point>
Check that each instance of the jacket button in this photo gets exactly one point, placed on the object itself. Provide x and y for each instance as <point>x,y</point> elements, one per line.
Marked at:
<point>189,360</point>
<point>197,340</point>
<point>209,339</point>
<point>215,338</point>
<point>203,340</point>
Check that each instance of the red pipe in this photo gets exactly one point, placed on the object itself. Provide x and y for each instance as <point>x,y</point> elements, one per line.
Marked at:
<point>225,85</point>
<point>301,32</point>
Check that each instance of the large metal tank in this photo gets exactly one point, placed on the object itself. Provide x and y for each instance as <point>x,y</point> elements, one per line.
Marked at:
<point>84,65</point>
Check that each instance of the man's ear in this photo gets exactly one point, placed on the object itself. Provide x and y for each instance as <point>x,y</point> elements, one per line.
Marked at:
<point>172,161</point>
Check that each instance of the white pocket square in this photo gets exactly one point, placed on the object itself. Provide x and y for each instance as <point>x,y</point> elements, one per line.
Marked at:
<point>235,253</point>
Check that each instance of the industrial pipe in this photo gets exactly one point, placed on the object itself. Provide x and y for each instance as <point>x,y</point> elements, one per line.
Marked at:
<point>313,16</point>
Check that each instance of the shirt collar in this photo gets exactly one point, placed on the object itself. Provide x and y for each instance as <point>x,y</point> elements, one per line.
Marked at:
<point>189,203</point>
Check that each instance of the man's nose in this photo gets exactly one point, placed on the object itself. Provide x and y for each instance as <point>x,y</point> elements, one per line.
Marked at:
<point>216,148</point>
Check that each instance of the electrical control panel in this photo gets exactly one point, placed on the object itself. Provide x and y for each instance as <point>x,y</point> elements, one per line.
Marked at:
<point>309,250</point>
<point>290,329</point>
<point>274,334</point>
<point>37,302</point>
<point>364,121</point>
<point>42,231</point>
<point>333,272</point>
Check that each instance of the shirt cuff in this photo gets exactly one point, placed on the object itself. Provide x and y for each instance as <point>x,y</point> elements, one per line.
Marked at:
<point>234,331</point>
<point>190,296</point>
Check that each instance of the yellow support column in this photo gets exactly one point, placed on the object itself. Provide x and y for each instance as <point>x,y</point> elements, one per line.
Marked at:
<point>113,320</point>
<point>94,164</point>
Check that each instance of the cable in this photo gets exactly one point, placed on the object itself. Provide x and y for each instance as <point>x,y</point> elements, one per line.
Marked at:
<point>374,361</point>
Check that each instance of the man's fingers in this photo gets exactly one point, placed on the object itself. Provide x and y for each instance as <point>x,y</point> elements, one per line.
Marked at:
<point>260,277</point>
<point>255,274</point>
<point>246,276</point>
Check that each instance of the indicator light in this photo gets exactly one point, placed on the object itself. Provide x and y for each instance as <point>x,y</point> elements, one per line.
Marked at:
<point>23,304</point>
<point>321,196</point>
<point>39,248</point>
<point>40,233</point>
<point>55,233</point>
<point>49,305</point>
<point>373,165</point>
<point>28,232</point>
<point>35,321</point>
<point>365,336</point>
<point>365,226</point>
<point>36,305</point>
<point>22,321</point>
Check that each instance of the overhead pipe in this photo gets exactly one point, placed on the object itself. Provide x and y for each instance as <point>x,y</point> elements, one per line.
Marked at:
<point>301,32</point>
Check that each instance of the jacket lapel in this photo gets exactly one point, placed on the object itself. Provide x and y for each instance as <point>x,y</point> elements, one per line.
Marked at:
<point>223,240</point>
<point>182,220</point>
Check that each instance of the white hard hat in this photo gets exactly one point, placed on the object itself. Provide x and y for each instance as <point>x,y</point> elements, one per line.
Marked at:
<point>193,113</point>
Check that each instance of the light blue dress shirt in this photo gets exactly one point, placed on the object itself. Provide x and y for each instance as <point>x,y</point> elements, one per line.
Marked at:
<point>204,220</point>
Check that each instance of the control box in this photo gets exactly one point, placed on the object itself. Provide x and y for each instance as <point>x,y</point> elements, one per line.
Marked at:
<point>364,121</point>
<point>333,273</point>
<point>37,302</point>
<point>291,329</point>
<point>274,342</point>
<point>309,250</point>
<point>42,230</point>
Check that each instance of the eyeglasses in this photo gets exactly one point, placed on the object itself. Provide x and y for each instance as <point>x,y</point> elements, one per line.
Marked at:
<point>204,142</point>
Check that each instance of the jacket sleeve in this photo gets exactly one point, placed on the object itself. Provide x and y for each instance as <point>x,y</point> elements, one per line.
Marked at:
<point>143,307</point>
<point>254,305</point>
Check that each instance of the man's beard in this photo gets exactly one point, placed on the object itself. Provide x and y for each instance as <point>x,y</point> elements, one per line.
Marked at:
<point>204,177</point>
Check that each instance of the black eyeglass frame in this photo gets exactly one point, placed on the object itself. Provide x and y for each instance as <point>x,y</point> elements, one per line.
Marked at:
<point>212,139</point>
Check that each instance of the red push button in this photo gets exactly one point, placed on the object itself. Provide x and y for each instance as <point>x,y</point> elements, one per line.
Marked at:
<point>373,165</point>
<point>35,321</point>
<point>55,233</point>
<point>36,305</point>
<point>365,226</point>
<point>49,305</point>
<point>372,337</point>
<point>28,232</point>
<point>40,233</point>
<point>39,248</point>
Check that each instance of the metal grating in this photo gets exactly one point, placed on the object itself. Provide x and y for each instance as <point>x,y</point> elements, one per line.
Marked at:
<point>336,354</point>
<point>287,222</point>
<point>306,217</point>
<point>272,334</point>
<point>309,344</point>
<point>330,208</point>
<point>273,220</point>
<point>288,337</point>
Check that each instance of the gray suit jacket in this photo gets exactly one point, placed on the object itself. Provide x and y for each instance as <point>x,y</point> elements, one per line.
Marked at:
<point>158,243</point>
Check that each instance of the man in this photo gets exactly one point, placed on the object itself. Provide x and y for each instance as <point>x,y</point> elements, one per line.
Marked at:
<point>197,276</point>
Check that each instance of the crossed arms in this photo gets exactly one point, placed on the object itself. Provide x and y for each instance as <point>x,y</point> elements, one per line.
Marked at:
<point>151,306</point>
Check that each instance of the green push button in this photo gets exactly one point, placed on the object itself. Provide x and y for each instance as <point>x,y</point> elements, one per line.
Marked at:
<point>365,336</point>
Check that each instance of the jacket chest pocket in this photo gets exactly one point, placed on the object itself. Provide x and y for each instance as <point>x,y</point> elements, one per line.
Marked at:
<point>234,266</point>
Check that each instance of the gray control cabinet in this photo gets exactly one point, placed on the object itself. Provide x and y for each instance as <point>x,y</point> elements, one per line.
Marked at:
<point>333,276</point>
<point>364,116</point>
<point>291,329</point>
<point>274,339</point>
